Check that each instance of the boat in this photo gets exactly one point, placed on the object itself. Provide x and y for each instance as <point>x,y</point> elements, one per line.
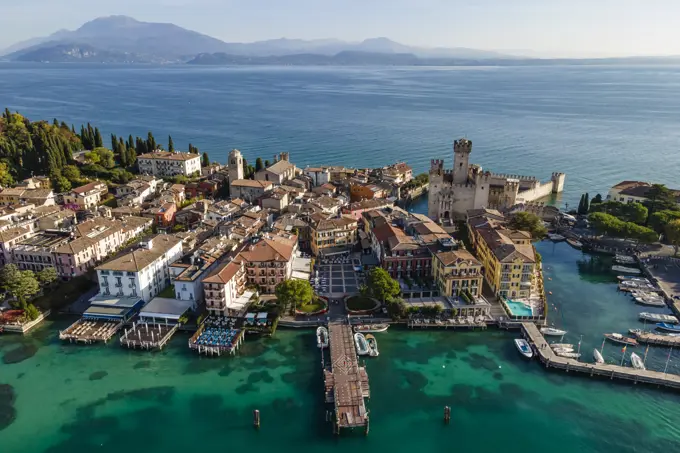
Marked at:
<point>524,348</point>
<point>650,301</point>
<point>372,345</point>
<point>637,362</point>
<point>361,344</point>
<point>633,279</point>
<point>561,345</point>
<point>574,243</point>
<point>618,338</point>
<point>559,351</point>
<point>667,327</point>
<point>636,332</point>
<point>553,331</point>
<point>624,259</point>
<point>597,355</point>
<point>626,270</point>
<point>556,237</point>
<point>321,337</point>
<point>658,317</point>
<point>569,355</point>
<point>371,328</point>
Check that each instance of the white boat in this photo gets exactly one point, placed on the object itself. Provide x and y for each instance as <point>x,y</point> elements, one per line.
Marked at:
<point>371,328</point>
<point>372,345</point>
<point>556,237</point>
<point>650,301</point>
<point>559,351</point>
<point>361,344</point>
<point>524,348</point>
<point>658,317</point>
<point>624,259</point>
<point>569,355</point>
<point>597,355</point>
<point>626,270</point>
<point>574,243</point>
<point>618,338</point>
<point>637,362</point>
<point>321,337</point>
<point>562,345</point>
<point>633,279</point>
<point>553,331</point>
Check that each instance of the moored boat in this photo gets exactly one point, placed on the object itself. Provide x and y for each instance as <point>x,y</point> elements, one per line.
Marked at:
<point>667,327</point>
<point>556,237</point>
<point>626,270</point>
<point>574,243</point>
<point>562,345</point>
<point>524,348</point>
<point>597,355</point>
<point>658,317</point>
<point>618,338</point>
<point>637,362</point>
<point>650,301</point>
<point>559,351</point>
<point>361,344</point>
<point>552,331</point>
<point>569,355</point>
<point>372,345</point>
<point>632,279</point>
<point>371,328</point>
<point>321,337</point>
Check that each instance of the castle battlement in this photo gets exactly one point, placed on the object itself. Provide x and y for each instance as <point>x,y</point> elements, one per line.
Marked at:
<point>509,176</point>
<point>462,145</point>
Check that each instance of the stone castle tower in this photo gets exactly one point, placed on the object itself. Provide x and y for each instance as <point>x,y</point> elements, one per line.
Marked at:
<point>461,160</point>
<point>235,165</point>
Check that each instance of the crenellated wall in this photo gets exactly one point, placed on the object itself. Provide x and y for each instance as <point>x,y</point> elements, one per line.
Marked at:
<point>540,191</point>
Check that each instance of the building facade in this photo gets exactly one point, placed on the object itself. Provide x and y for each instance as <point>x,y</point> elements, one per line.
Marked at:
<point>224,287</point>
<point>87,196</point>
<point>167,164</point>
<point>456,272</point>
<point>269,261</point>
<point>333,235</point>
<point>248,189</point>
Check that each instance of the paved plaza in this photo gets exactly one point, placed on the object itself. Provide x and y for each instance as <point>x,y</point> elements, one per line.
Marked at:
<point>336,280</point>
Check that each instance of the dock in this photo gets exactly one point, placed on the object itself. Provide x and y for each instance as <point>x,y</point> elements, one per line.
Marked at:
<point>346,383</point>
<point>469,323</point>
<point>551,360</point>
<point>90,331</point>
<point>217,336</point>
<point>147,336</point>
<point>656,339</point>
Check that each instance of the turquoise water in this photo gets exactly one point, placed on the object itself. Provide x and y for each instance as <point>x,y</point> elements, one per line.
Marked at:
<point>518,308</point>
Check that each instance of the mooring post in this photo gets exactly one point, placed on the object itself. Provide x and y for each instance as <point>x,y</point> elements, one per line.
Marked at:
<point>447,414</point>
<point>256,419</point>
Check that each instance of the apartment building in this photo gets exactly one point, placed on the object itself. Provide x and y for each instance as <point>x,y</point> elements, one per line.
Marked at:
<point>87,196</point>
<point>142,273</point>
<point>22,195</point>
<point>330,236</point>
<point>457,271</point>
<point>36,252</point>
<point>269,261</point>
<point>225,289</point>
<point>9,239</point>
<point>166,164</point>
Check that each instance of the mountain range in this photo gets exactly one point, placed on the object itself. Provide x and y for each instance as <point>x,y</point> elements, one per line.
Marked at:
<point>122,38</point>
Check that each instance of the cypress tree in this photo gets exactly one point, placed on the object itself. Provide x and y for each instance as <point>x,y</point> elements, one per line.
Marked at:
<point>171,145</point>
<point>150,143</point>
<point>258,164</point>
<point>55,123</point>
<point>266,163</point>
<point>98,142</point>
<point>121,150</point>
<point>580,204</point>
<point>131,142</point>
<point>114,143</point>
<point>205,161</point>
<point>586,203</point>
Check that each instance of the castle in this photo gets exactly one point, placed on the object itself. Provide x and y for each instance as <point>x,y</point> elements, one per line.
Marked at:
<point>467,186</point>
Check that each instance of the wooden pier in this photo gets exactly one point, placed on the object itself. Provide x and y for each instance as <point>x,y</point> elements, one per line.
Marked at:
<point>147,336</point>
<point>656,339</point>
<point>552,360</point>
<point>346,383</point>
<point>90,331</point>
<point>447,324</point>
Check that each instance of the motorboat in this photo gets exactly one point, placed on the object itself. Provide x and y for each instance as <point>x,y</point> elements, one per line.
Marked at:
<point>321,337</point>
<point>650,301</point>
<point>524,348</point>
<point>559,351</point>
<point>633,279</point>
<point>636,332</point>
<point>569,355</point>
<point>658,317</point>
<point>618,338</point>
<point>597,355</point>
<point>561,345</point>
<point>666,327</point>
<point>574,243</point>
<point>361,344</point>
<point>371,328</point>
<point>624,259</point>
<point>372,345</point>
<point>626,270</point>
<point>637,362</point>
<point>551,331</point>
<point>556,237</point>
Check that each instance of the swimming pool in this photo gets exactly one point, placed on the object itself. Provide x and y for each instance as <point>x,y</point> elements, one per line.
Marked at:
<point>518,308</point>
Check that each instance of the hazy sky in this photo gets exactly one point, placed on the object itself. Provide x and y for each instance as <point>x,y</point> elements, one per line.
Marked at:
<point>549,27</point>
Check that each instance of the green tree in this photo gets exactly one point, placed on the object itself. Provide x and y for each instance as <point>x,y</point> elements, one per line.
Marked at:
<point>258,164</point>
<point>396,308</point>
<point>47,276</point>
<point>61,184</point>
<point>101,156</point>
<point>151,144</point>
<point>579,210</point>
<point>171,145</point>
<point>660,219</point>
<point>672,232</point>
<point>114,141</point>
<point>596,199</point>
<point>290,293</point>
<point>98,142</point>
<point>380,285</point>
<point>205,161</point>
<point>528,221</point>
<point>6,178</point>
<point>19,284</point>
<point>267,164</point>
<point>31,312</point>
<point>627,212</point>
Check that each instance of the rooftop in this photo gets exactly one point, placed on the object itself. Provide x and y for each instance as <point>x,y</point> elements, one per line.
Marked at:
<point>280,167</point>
<point>141,258</point>
<point>252,183</point>
<point>457,256</point>
<point>167,155</point>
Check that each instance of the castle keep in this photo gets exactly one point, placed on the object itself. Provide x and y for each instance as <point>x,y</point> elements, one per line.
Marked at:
<point>466,186</point>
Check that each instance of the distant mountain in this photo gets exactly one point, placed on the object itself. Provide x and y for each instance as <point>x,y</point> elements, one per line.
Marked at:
<point>347,58</point>
<point>68,53</point>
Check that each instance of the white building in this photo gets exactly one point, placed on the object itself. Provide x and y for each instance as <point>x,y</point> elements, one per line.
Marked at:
<point>143,272</point>
<point>165,163</point>
<point>318,175</point>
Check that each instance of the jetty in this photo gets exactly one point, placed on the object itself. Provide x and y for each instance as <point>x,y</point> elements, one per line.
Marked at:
<point>90,331</point>
<point>552,360</point>
<point>147,336</point>
<point>656,339</point>
<point>217,336</point>
<point>346,383</point>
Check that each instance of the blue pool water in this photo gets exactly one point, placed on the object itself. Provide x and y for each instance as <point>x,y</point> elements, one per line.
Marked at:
<point>518,308</point>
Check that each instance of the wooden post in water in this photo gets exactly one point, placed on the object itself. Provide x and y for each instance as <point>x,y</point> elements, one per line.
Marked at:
<point>256,419</point>
<point>447,414</point>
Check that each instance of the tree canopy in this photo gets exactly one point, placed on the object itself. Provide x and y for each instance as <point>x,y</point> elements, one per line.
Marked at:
<point>291,293</point>
<point>659,220</point>
<point>672,232</point>
<point>380,285</point>
<point>615,227</point>
<point>627,212</point>
<point>528,221</point>
<point>47,276</point>
<point>19,284</point>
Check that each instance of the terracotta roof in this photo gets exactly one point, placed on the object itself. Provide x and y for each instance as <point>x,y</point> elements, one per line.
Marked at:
<point>252,183</point>
<point>280,167</point>
<point>456,256</point>
<point>629,184</point>
<point>16,191</point>
<point>142,258</point>
<point>335,224</point>
<point>224,274</point>
<point>37,193</point>
<point>88,187</point>
<point>166,155</point>
<point>268,250</point>
<point>13,233</point>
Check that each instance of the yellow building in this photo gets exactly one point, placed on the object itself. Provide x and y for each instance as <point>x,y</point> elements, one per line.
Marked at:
<point>508,258</point>
<point>457,271</point>
<point>330,236</point>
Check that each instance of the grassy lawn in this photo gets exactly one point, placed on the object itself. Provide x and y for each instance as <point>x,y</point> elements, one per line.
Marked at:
<point>360,303</point>
<point>314,306</point>
<point>64,293</point>
<point>168,293</point>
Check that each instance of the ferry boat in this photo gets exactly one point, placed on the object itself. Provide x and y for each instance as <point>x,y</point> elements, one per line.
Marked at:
<point>597,355</point>
<point>618,338</point>
<point>556,237</point>
<point>637,362</point>
<point>626,270</point>
<point>524,348</point>
<point>574,243</point>
<point>361,344</point>
<point>551,331</point>
<point>371,328</point>
<point>667,327</point>
<point>658,317</point>
<point>321,337</point>
<point>372,345</point>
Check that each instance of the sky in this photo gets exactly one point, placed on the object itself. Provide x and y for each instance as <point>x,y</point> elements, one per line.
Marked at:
<point>558,28</point>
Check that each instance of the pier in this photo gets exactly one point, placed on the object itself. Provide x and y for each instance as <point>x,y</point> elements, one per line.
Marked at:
<point>656,339</point>
<point>90,331</point>
<point>216,336</point>
<point>148,336</point>
<point>552,360</point>
<point>346,383</point>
